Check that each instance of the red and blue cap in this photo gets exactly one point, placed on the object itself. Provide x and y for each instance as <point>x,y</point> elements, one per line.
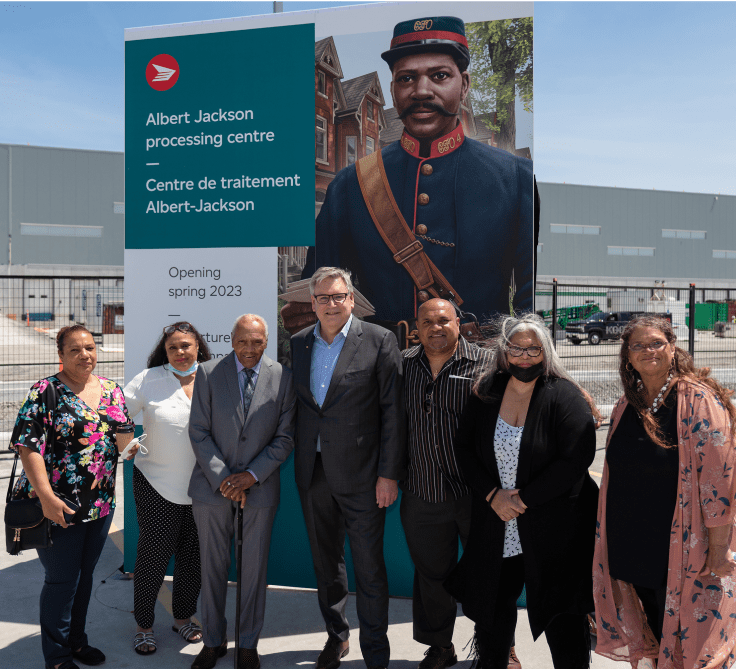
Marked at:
<point>440,34</point>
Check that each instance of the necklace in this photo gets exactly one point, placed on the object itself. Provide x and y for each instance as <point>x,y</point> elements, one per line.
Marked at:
<point>658,399</point>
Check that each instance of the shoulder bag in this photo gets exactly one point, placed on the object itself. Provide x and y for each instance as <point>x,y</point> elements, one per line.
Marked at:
<point>25,525</point>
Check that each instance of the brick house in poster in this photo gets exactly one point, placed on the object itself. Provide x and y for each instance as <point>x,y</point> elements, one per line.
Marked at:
<point>349,116</point>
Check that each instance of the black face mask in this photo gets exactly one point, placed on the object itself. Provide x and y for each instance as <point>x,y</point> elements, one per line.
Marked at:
<point>526,374</point>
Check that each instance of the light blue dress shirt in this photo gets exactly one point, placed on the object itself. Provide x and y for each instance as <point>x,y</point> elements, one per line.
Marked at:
<point>324,359</point>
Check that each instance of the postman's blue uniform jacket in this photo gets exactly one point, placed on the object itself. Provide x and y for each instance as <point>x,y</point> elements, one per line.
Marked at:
<point>468,194</point>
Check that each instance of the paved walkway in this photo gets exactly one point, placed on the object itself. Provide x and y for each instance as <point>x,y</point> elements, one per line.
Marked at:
<point>292,636</point>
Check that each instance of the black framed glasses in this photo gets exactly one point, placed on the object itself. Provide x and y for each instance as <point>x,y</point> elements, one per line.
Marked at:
<point>178,327</point>
<point>428,397</point>
<point>518,351</point>
<point>651,346</point>
<point>337,298</point>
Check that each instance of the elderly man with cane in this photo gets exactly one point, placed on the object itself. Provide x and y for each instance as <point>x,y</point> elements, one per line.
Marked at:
<point>242,429</point>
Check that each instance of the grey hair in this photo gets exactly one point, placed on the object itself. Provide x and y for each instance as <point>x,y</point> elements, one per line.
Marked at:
<point>253,317</point>
<point>330,273</point>
<point>506,328</point>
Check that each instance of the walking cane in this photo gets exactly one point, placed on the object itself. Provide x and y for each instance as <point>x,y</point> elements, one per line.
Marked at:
<point>238,566</point>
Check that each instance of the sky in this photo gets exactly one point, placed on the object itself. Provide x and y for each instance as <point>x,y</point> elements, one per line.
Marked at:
<point>631,94</point>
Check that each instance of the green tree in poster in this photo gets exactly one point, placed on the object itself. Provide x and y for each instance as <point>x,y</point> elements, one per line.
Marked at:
<point>501,66</point>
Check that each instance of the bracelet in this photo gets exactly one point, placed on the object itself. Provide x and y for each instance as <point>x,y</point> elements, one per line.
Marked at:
<point>495,492</point>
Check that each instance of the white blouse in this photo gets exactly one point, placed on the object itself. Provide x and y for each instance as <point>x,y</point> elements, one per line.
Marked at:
<point>165,409</point>
<point>506,443</point>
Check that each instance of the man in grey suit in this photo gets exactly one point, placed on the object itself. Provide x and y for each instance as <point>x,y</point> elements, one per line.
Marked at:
<point>241,428</point>
<point>350,451</point>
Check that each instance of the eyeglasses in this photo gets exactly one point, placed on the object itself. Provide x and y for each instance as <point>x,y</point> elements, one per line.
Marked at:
<point>428,395</point>
<point>517,351</point>
<point>651,346</point>
<point>337,298</point>
<point>178,327</point>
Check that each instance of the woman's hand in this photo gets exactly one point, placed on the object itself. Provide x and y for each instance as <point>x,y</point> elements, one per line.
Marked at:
<point>54,509</point>
<point>131,454</point>
<point>720,561</point>
<point>720,558</point>
<point>507,504</point>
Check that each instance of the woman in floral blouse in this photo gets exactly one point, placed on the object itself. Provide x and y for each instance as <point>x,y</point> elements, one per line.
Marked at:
<point>664,573</point>
<point>66,435</point>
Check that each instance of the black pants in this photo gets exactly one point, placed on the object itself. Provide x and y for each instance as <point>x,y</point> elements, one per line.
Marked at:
<point>70,564</point>
<point>432,531</point>
<point>166,529</point>
<point>653,600</point>
<point>567,635</point>
<point>329,516</point>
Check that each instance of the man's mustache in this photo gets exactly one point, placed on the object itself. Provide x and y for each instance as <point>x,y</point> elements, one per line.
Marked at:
<point>425,106</point>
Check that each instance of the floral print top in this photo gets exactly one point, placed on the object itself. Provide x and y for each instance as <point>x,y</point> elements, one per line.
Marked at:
<point>699,628</point>
<point>81,465</point>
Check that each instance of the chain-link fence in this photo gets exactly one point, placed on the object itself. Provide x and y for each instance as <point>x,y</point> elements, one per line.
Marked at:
<point>33,309</point>
<point>588,321</point>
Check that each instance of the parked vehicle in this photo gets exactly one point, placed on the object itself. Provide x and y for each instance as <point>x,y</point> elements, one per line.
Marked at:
<point>602,325</point>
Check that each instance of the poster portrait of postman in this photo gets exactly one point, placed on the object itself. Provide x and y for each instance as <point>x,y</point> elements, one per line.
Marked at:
<point>434,196</point>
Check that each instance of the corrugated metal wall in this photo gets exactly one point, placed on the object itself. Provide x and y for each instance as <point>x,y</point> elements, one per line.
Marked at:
<point>67,187</point>
<point>635,218</point>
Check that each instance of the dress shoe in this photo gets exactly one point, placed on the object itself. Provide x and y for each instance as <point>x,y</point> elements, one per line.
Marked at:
<point>248,658</point>
<point>89,655</point>
<point>437,657</point>
<point>513,660</point>
<point>332,653</point>
<point>209,655</point>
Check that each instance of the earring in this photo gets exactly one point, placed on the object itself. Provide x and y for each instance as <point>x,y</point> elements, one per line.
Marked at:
<point>629,366</point>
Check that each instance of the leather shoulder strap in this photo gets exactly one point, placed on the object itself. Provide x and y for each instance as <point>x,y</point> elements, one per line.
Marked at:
<point>407,250</point>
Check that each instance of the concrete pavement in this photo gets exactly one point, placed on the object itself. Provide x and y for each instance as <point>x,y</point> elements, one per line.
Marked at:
<point>292,637</point>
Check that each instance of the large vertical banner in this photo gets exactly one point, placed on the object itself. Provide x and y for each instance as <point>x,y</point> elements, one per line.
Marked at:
<point>224,181</point>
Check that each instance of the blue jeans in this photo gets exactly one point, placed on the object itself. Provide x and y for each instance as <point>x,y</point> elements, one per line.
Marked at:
<point>69,564</point>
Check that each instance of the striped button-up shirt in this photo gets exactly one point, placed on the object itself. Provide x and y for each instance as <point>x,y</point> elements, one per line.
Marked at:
<point>433,411</point>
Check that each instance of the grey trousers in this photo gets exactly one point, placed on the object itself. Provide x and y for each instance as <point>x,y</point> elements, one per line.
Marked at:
<point>432,531</point>
<point>216,528</point>
<point>329,516</point>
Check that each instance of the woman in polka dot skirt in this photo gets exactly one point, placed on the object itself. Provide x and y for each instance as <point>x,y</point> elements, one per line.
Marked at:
<point>163,394</point>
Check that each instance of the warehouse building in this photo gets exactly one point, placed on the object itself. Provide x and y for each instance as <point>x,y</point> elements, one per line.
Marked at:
<point>62,211</point>
<point>624,236</point>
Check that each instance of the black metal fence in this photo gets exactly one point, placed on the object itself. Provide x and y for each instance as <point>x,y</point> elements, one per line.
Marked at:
<point>33,309</point>
<point>587,322</point>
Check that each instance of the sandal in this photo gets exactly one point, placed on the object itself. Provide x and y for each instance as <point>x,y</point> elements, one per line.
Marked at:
<point>144,639</point>
<point>189,630</point>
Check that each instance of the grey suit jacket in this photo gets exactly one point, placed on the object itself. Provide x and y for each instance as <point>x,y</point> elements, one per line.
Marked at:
<point>224,443</point>
<point>362,423</point>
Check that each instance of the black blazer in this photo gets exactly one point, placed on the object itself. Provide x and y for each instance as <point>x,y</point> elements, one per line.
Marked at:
<point>557,531</point>
<point>361,424</point>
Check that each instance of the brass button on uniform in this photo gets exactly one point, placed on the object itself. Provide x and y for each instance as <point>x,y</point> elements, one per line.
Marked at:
<point>423,198</point>
<point>427,169</point>
<point>421,229</point>
<point>423,295</point>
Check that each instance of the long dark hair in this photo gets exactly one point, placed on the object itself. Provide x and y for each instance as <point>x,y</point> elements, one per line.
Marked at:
<point>158,355</point>
<point>684,368</point>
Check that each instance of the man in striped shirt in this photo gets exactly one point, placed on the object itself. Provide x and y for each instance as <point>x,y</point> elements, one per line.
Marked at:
<point>435,503</point>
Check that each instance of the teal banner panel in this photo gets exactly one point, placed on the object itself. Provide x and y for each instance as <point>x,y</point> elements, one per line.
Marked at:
<point>219,139</point>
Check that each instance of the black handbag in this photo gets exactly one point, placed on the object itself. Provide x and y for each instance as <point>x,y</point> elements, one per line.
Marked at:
<point>25,525</point>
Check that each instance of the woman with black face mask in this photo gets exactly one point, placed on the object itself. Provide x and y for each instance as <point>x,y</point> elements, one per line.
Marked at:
<point>524,445</point>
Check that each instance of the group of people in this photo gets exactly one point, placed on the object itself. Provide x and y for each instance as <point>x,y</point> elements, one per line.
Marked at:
<point>490,445</point>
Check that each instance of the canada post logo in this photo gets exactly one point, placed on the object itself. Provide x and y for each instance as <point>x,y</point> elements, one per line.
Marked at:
<point>162,72</point>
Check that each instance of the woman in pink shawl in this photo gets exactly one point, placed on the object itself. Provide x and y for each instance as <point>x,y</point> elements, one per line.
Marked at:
<point>664,575</point>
